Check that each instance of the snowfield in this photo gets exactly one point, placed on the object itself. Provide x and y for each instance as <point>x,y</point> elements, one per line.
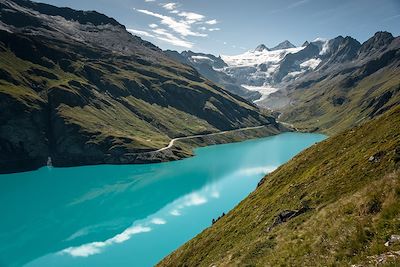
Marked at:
<point>311,63</point>
<point>254,58</point>
<point>254,69</point>
<point>265,90</point>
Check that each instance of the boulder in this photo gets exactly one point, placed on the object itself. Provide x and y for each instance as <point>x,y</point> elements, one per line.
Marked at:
<point>394,239</point>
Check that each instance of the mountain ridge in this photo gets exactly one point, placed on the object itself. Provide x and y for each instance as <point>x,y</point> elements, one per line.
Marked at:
<point>261,48</point>
<point>283,45</point>
<point>311,85</point>
<point>84,94</point>
<point>347,93</point>
<point>82,17</point>
<point>209,66</point>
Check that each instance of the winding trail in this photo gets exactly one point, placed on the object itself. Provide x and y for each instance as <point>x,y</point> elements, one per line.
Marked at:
<point>171,143</point>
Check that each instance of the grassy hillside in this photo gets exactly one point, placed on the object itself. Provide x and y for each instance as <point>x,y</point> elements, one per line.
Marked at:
<point>334,204</point>
<point>329,107</point>
<point>92,93</point>
<point>348,93</point>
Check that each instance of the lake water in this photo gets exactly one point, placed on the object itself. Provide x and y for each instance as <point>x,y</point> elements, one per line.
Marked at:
<point>130,215</point>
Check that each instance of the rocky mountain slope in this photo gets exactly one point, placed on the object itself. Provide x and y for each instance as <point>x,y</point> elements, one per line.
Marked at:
<point>324,85</point>
<point>334,204</point>
<point>256,68</point>
<point>284,45</point>
<point>248,75</point>
<point>211,67</point>
<point>353,83</point>
<point>254,74</point>
<point>77,87</point>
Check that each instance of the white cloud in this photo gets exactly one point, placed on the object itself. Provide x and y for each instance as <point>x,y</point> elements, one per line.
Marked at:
<point>158,221</point>
<point>182,27</point>
<point>215,194</point>
<point>325,48</point>
<point>170,6</point>
<point>141,33</point>
<point>255,171</point>
<point>175,212</point>
<point>163,35</point>
<point>128,233</point>
<point>191,17</point>
<point>319,39</point>
<point>84,250</point>
<point>194,200</point>
<point>298,3</point>
<point>89,249</point>
<point>293,5</point>
<point>147,1</point>
<point>392,17</point>
<point>212,22</point>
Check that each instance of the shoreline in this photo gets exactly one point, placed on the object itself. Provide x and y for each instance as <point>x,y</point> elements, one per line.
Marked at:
<point>177,149</point>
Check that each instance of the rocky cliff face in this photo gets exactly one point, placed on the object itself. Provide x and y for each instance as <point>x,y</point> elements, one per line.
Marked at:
<point>77,87</point>
<point>292,62</point>
<point>337,65</point>
<point>339,50</point>
<point>284,45</point>
<point>212,68</point>
<point>261,48</point>
<point>352,84</point>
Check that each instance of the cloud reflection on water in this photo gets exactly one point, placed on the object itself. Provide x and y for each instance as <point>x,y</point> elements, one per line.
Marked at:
<point>96,247</point>
<point>175,208</point>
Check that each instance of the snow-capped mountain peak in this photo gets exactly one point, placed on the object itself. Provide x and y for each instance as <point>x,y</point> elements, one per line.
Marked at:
<point>254,58</point>
<point>255,69</point>
<point>284,45</point>
<point>261,48</point>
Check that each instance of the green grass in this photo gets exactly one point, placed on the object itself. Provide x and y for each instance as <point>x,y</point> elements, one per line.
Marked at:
<point>314,109</point>
<point>99,104</point>
<point>124,102</point>
<point>355,207</point>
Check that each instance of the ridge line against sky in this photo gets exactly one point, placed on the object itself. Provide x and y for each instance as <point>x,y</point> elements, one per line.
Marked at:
<point>235,26</point>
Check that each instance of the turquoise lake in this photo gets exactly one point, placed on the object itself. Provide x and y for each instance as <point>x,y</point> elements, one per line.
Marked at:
<point>130,215</point>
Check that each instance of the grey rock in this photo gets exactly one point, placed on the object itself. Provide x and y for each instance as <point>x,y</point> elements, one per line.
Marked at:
<point>261,48</point>
<point>287,215</point>
<point>394,239</point>
<point>284,45</point>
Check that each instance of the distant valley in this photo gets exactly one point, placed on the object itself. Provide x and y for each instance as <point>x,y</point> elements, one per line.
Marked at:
<point>303,82</point>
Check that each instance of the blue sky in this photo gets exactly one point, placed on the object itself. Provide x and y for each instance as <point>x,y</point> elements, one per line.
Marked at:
<point>233,26</point>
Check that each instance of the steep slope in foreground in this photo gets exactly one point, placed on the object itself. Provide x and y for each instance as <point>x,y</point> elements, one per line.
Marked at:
<point>76,86</point>
<point>336,203</point>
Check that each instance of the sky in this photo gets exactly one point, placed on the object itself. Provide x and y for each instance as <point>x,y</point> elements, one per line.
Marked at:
<point>230,27</point>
